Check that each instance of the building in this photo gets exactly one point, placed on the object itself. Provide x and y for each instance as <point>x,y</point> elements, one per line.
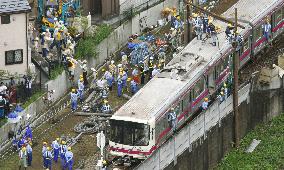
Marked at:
<point>101,8</point>
<point>14,49</point>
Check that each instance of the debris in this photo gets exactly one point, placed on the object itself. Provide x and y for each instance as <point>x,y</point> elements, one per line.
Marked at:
<point>265,76</point>
<point>92,114</point>
<point>126,96</point>
<point>253,145</point>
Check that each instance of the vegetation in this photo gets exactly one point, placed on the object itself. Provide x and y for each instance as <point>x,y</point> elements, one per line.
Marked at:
<point>3,121</point>
<point>129,14</point>
<point>55,72</point>
<point>87,45</point>
<point>267,155</point>
<point>33,98</point>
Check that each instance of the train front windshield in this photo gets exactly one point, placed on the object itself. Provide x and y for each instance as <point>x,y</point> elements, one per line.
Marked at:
<point>129,133</point>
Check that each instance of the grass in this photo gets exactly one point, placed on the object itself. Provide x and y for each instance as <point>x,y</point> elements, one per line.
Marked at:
<point>33,98</point>
<point>54,73</point>
<point>3,121</point>
<point>267,155</point>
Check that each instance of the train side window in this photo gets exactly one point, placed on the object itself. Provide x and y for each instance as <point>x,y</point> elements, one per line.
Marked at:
<point>198,88</point>
<point>221,66</point>
<point>258,33</point>
<point>277,18</point>
<point>283,13</point>
<point>246,44</point>
<point>186,100</point>
<point>181,106</point>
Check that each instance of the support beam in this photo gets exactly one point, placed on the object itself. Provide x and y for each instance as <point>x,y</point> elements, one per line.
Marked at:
<point>92,114</point>
<point>236,86</point>
<point>215,15</point>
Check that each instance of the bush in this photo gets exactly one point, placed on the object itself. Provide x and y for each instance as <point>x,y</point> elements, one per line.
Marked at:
<point>87,45</point>
<point>33,98</point>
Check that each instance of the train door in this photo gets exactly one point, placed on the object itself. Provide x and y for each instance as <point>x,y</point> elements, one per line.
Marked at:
<point>258,38</point>
<point>199,92</point>
<point>277,22</point>
<point>222,70</point>
<point>245,50</point>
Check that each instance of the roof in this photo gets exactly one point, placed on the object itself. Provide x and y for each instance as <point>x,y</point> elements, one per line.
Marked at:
<point>14,6</point>
<point>151,97</point>
<point>251,11</point>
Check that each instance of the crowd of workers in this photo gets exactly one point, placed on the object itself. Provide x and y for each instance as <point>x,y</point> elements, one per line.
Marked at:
<point>12,93</point>
<point>57,149</point>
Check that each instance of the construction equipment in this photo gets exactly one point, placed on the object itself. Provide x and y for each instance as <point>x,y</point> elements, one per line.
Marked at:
<point>56,10</point>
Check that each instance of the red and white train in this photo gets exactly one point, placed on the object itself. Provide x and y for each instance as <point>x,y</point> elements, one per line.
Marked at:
<point>140,126</point>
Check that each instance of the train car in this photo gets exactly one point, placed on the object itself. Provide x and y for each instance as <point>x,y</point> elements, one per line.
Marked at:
<point>199,70</point>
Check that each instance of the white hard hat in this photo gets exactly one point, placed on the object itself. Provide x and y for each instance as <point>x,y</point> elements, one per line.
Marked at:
<point>112,61</point>
<point>55,19</point>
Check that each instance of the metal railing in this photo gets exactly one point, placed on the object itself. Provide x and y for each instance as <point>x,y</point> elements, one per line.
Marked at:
<point>137,5</point>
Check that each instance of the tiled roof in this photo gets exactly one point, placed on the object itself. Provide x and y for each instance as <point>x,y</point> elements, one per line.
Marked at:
<point>14,6</point>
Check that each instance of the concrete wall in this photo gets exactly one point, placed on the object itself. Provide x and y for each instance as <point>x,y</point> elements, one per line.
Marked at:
<point>209,137</point>
<point>34,110</point>
<point>13,37</point>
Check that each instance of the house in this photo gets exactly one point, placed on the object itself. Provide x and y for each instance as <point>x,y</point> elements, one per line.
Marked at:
<point>102,8</point>
<point>14,49</point>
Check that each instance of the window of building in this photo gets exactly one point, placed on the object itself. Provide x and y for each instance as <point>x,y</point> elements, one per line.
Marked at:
<point>14,57</point>
<point>5,19</point>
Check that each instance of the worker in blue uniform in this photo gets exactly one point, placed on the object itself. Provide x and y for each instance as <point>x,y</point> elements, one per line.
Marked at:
<point>43,151</point>
<point>172,119</point>
<point>119,86</point>
<point>205,104</point>
<point>48,158</point>
<point>69,159</point>
<point>124,79</point>
<point>29,153</point>
<point>106,107</point>
<point>63,149</point>
<point>109,78</point>
<point>134,87</point>
<point>81,89</point>
<point>29,133</point>
<point>267,30</point>
<point>55,147</point>
<point>74,100</point>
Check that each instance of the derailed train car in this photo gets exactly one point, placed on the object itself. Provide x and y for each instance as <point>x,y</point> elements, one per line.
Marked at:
<point>140,126</point>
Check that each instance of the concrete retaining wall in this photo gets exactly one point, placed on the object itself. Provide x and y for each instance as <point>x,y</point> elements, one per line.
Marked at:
<point>34,110</point>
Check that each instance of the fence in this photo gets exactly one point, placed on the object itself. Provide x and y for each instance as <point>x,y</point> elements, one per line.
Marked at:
<point>137,5</point>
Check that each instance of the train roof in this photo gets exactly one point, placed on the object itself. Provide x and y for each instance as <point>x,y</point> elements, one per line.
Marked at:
<point>186,67</point>
<point>249,12</point>
<point>153,95</point>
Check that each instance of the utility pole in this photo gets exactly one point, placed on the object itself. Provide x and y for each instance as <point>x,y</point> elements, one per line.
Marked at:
<point>186,27</point>
<point>190,23</point>
<point>187,24</point>
<point>236,83</point>
<point>235,67</point>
